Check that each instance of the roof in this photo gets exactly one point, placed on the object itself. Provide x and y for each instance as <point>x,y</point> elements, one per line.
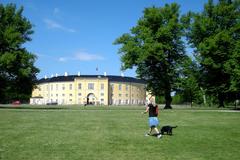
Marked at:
<point>70,78</point>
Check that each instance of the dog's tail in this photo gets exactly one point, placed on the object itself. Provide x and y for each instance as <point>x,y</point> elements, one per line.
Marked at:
<point>174,127</point>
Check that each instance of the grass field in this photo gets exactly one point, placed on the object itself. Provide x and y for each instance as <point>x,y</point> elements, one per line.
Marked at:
<point>116,133</point>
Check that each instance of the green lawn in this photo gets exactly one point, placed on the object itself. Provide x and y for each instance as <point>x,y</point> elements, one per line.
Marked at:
<point>116,134</point>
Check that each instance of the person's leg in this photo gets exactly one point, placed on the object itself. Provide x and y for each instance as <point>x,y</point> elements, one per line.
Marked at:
<point>149,132</point>
<point>153,131</point>
<point>158,134</point>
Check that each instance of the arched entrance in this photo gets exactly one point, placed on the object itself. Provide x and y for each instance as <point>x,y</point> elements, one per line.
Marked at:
<point>91,99</point>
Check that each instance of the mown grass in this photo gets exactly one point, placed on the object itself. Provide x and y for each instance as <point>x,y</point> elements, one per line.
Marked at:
<point>116,133</point>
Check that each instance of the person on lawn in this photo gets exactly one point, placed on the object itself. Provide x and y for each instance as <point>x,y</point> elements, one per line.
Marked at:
<point>152,109</point>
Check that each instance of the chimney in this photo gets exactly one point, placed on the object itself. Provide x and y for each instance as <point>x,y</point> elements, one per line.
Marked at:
<point>45,77</point>
<point>105,74</point>
<point>79,74</point>
<point>65,74</point>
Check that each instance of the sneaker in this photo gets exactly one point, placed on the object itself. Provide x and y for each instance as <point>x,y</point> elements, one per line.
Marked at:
<point>159,136</point>
<point>146,135</point>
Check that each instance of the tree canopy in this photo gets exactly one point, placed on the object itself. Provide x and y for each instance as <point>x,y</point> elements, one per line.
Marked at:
<point>154,46</point>
<point>17,70</point>
<point>214,33</point>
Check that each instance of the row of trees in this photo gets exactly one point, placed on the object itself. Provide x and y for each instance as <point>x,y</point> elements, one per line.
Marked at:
<point>17,70</point>
<point>156,47</point>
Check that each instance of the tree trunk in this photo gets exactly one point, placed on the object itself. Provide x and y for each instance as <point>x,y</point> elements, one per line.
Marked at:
<point>221,100</point>
<point>204,96</point>
<point>191,98</point>
<point>168,100</point>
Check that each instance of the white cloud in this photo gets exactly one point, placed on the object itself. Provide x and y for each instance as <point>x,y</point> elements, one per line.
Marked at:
<point>82,56</point>
<point>54,25</point>
<point>63,59</point>
<point>56,11</point>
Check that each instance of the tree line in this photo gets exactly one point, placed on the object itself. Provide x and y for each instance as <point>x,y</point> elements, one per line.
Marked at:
<point>156,46</point>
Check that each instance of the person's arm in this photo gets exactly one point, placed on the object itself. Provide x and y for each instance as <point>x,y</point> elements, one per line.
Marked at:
<point>147,109</point>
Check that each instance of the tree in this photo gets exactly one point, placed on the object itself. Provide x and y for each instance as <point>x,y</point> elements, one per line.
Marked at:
<point>188,86</point>
<point>215,35</point>
<point>17,70</point>
<point>155,48</point>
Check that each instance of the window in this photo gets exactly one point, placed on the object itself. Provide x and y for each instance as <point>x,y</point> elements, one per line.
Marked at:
<point>79,94</point>
<point>70,100</point>
<point>70,86</point>
<point>126,95</point>
<point>120,95</point>
<point>102,94</point>
<point>126,87</point>
<point>70,95</point>
<point>91,86</point>
<point>63,87</point>
<point>102,86</point>
<point>63,95</point>
<point>56,86</point>
<point>56,95</point>
<point>120,87</point>
<point>79,86</point>
<point>51,87</point>
<point>102,100</point>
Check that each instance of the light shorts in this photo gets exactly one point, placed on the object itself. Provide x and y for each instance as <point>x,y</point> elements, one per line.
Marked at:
<point>153,121</point>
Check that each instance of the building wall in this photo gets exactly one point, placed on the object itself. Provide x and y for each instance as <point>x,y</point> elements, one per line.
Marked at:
<point>97,95</point>
<point>94,90</point>
<point>127,93</point>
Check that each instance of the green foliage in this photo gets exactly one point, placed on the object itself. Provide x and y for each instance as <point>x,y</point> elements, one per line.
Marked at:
<point>17,70</point>
<point>160,100</point>
<point>188,87</point>
<point>215,35</point>
<point>155,48</point>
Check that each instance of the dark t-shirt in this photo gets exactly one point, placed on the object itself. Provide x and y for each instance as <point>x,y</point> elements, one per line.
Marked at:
<point>153,110</point>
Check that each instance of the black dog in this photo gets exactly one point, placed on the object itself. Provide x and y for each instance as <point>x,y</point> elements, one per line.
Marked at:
<point>167,129</point>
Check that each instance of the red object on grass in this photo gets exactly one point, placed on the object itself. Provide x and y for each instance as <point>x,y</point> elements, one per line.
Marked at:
<point>16,102</point>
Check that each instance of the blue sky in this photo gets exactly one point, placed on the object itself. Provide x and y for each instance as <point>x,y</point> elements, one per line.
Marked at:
<point>77,35</point>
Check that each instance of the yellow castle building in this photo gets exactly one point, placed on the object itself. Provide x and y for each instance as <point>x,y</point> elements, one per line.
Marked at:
<point>89,89</point>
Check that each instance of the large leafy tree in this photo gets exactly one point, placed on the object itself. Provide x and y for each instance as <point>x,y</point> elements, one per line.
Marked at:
<point>155,48</point>
<point>188,84</point>
<point>17,70</point>
<point>215,35</point>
